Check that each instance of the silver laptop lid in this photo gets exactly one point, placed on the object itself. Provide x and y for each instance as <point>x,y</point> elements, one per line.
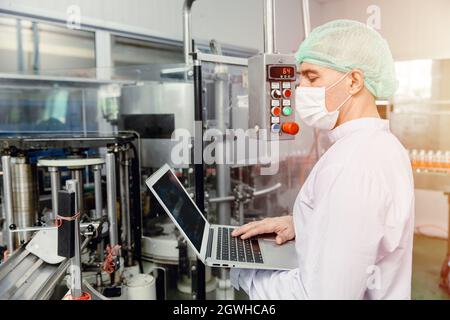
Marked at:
<point>175,200</point>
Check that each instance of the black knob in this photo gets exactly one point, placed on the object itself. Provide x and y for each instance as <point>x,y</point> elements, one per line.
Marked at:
<point>276,94</point>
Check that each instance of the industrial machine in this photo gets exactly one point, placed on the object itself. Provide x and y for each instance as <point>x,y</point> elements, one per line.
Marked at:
<point>82,186</point>
<point>72,219</point>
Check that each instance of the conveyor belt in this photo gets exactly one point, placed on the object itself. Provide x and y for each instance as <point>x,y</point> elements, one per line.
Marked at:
<point>24,276</point>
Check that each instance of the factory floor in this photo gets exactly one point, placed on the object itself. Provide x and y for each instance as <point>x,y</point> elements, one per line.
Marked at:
<point>428,256</point>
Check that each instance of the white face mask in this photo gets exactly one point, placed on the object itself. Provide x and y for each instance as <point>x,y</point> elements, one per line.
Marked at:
<point>311,107</point>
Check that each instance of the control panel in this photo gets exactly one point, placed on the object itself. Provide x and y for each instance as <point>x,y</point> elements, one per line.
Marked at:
<point>271,95</point>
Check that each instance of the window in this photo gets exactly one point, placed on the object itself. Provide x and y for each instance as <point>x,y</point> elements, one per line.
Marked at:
<point>415,79</point>
<point>126,51</point>
<point>27,46</point>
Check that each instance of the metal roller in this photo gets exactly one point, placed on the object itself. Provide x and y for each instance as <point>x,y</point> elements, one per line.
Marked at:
<point>24,194</point>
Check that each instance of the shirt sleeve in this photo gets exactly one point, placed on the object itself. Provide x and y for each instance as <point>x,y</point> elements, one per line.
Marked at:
<point>336,245</point>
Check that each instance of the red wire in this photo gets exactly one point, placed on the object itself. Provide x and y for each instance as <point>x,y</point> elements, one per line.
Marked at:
<point>109,264</point>
<point>59,219</point>
<point>58,222</point>
<point>84,296</point>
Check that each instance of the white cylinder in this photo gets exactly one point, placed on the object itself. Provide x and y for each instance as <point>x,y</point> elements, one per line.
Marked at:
<point>141,287</point>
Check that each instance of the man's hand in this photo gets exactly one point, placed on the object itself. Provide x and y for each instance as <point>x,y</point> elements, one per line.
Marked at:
<point>282,226</point>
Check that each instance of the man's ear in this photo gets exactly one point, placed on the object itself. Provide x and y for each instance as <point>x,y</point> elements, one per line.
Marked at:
<point>357,81</point>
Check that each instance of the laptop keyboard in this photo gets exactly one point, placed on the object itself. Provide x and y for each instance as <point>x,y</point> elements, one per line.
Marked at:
<point>231,248</point>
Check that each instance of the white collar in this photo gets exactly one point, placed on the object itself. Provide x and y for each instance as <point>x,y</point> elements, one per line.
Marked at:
<point>357,124</point>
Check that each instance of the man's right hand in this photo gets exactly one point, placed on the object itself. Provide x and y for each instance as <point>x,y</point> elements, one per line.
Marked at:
<point>282,226</point>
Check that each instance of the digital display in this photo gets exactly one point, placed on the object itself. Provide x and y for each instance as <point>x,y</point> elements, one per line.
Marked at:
<point>278,72</point>
<point>180,205</point>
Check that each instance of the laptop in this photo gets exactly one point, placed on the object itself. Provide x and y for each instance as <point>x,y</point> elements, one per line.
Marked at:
<point>212,243</point>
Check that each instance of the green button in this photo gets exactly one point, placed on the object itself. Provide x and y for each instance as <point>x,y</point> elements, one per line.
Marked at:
<point>287,111</point>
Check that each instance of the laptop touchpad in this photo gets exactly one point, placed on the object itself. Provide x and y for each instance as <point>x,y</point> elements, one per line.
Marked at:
<point>282,256</point>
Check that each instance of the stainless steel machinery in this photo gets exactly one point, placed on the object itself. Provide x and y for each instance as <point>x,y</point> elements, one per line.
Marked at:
<point>95,235</point>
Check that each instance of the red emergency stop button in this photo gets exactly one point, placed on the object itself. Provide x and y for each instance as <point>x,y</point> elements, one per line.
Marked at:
<point>290,128</point>
<point>287,93</point>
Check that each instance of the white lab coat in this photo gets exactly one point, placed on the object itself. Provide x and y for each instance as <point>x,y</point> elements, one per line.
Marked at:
<point>353,221</point>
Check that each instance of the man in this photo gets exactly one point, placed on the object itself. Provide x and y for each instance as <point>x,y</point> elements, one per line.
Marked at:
<point>353,218</point>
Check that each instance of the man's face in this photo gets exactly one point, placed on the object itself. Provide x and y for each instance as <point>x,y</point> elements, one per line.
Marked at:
<point>312,75</point>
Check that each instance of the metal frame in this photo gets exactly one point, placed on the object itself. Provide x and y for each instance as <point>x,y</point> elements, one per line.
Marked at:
<point>187,31</point>
<point>199,286</point>
<point>306,17</point>
<point>103,54</point>
<point>207,57</point>
<point>121,30</point>
<point>9,80</point>
<point>269,26</point>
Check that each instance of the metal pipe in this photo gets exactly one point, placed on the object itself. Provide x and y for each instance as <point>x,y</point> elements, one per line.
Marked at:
<point>221,106</point>
<point>77,175</point>
<point>241,213</point>
<point>223,183</point>
<point>125,200</point>
<point>111,197</point>
<point>256,193</point>
<point>97,169</point>
<point>240,191</point>
<point>269,26</point>
<point>30,229</point>
<point>7,200</point>
<point>37,56</point>
<point>20,53</point>
<point>221,199</point>
<point>83,226</point>
<point>265,191</point>
<point>76,291</point>
<point>187,30</point>
<point>55,186</point>
<point>306,17</point>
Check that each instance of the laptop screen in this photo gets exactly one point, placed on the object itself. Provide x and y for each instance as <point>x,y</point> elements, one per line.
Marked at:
<point>177,201</point>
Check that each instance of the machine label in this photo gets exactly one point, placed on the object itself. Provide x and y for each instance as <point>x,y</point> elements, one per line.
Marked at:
<point>286,85</point>
<point>275,103</point>
<point>275,85</point>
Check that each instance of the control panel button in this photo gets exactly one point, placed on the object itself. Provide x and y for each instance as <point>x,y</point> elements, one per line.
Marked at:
<point>275,120</point>
<point>287,111</point>
<point>275,128</point>
<point>286,102</point>
<point>276,94</point>
<point>275,85</point>
<point>291,128</point>
<point>275,103</point>
<point>287,93</point>
<point>276,111</point>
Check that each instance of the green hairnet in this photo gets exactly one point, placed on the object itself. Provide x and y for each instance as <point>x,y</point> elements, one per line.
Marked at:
<point>344,45</point>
